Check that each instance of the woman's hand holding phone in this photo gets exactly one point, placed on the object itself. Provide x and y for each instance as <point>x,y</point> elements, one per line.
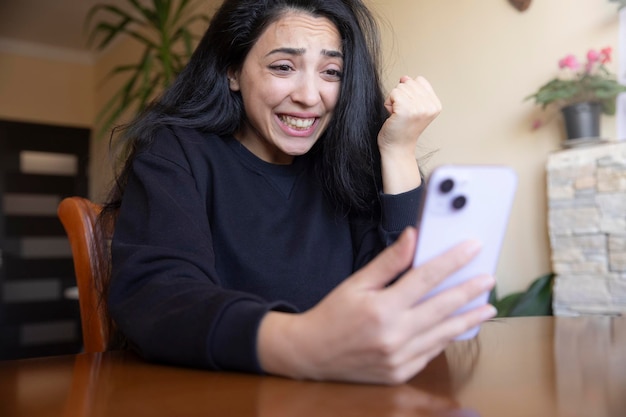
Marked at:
<point>369,331</point>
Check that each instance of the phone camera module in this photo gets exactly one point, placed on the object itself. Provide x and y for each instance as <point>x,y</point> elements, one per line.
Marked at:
<point>459,202</point>
<point>446,186</point>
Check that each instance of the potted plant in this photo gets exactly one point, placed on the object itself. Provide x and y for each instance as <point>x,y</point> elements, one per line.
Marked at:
<point>582,92</point>
<point>621,3</point>
<point>163,29</point>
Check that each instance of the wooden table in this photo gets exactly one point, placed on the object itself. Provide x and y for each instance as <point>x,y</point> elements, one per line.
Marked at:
<point>539,367</point>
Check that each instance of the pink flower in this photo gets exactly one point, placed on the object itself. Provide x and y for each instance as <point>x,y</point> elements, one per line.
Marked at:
<point>593,56</point>
<point>587,79</point>
<point>606,54</point>
<point>537,123</point>
<point>570,62</point>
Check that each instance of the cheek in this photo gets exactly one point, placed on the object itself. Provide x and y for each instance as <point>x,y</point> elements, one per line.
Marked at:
<point>268,93</point>
<point>331,96</point>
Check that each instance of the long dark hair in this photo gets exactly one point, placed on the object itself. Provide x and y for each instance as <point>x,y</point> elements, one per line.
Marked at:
<point>347,156</point>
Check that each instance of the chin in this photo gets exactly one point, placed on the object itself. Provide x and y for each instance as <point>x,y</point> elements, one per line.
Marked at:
<point>298,150</point>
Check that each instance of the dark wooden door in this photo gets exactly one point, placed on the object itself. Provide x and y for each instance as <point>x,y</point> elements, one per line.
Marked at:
<point>39,165</point>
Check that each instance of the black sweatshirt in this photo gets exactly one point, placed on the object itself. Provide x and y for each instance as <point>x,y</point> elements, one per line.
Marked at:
<point>209,238</point>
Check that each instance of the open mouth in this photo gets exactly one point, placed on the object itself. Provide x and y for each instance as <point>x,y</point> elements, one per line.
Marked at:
<point>296,122</point>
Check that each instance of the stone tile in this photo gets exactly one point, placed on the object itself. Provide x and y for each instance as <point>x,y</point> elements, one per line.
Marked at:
<point>587,229</point>
<point>617,261</point>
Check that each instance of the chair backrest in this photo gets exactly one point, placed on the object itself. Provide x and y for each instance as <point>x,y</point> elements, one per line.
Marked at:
<point>90,251</point>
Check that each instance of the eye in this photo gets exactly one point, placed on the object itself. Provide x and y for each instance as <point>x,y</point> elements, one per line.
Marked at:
<point>281,67</point>
<point>332,74</point>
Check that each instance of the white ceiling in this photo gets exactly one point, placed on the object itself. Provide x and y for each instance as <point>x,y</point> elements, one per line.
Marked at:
<point>52,23</point>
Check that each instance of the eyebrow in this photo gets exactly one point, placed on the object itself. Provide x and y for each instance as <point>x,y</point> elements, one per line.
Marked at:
<point>301,51</point>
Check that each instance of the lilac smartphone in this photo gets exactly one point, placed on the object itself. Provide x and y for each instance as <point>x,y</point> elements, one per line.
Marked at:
<point>465,202</point>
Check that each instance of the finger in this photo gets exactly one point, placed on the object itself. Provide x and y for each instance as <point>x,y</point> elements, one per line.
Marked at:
<point>402,90</point>
<point>417,282</point>
<point>389,104</point>
<point>456,297</point>
<point>416,322</point>
<point>432,312</point>
<point>414,98</point>
<point>425,84</point>
<point>425,344</point>
<point>455,325</point>
<point>410,85</point>
<point>426,95</point>
<point>389,263</point>
<point>418,83</point>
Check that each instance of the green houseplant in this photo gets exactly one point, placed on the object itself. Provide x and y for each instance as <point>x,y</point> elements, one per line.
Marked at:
<point>578,82</point>
<point>162,27</point>
<point>580,88</point>
<point>536,300</point>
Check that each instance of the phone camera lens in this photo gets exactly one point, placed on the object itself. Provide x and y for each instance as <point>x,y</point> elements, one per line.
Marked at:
<point>459,202</point>
<point>446,185</point>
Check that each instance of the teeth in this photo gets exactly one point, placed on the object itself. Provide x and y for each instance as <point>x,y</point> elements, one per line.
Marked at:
<point>297,123</point>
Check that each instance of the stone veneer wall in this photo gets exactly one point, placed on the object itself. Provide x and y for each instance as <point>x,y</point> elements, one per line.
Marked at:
<point>587,229</point>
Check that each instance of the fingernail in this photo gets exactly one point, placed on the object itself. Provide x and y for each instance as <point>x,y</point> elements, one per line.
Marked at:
<point>489,312</point>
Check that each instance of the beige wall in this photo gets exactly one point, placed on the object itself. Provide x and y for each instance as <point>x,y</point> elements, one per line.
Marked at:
<point>482,56</point>
<point>104,88</point>
<point>44,90</point>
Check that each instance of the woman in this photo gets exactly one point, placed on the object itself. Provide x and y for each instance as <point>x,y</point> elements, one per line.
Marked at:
<point>257,191</point>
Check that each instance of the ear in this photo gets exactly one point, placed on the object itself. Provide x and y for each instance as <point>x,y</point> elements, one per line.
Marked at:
<point>233,80</point>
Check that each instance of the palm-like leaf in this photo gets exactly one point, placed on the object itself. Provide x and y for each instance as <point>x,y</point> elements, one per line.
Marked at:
<point>162,28</point>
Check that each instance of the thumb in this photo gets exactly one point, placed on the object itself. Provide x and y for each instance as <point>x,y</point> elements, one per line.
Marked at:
<point>389,263</point>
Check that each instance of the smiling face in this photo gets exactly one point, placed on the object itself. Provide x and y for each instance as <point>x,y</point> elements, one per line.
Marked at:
<point>289,84</point>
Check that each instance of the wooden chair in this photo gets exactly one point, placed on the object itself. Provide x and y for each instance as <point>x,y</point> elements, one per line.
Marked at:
<point>90,251</point>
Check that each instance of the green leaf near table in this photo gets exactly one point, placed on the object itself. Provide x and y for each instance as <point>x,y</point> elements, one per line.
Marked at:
<point>535,301</point>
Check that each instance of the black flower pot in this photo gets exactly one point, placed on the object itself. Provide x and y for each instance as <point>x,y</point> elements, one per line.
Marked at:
<point>582,120</point>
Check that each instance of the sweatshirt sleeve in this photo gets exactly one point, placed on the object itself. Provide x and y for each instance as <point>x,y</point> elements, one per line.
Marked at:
<point>165,295</point>
<point>398,212</point>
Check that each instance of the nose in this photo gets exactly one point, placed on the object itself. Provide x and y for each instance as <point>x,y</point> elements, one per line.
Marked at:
<point>306,91</point>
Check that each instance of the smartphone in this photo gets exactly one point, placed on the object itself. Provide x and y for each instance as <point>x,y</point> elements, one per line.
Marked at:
<point>465,202</point>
